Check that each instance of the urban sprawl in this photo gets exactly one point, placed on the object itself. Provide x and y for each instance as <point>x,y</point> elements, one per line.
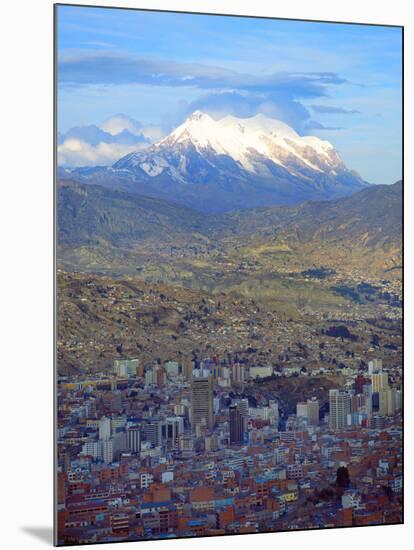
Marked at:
<point>180,449</point>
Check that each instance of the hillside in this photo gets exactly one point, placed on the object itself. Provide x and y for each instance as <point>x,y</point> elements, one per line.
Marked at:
<point>101,318</point>
<point>372,216</point>
<point>363,231</point>
<point>90,214</point>
<point>290,257</point>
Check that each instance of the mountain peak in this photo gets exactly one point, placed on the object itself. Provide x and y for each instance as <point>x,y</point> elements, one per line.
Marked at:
<point>199,128</point>
<point>258,156</point>
<point>246,139</point>
<point>198,115</point>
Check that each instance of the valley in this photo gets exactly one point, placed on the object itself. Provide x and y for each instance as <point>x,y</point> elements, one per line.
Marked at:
<point>273,255</point>
<point>139,274</point>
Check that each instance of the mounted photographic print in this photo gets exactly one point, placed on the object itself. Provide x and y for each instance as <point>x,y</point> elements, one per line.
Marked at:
<point>229,272</point>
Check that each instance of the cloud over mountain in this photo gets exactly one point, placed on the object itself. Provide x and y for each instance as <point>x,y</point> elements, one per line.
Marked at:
<point>118,123</point>
<point>75,153</point>
<point>93,145</point>
<point>277,105</point>
<point>224,91</point>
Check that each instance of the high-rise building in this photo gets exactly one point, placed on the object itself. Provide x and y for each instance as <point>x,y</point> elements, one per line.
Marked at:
<point>152,432</point>
<point>302,410</point>
<point>172,368</point>
<point>188,369</point>
<point>202,401</point>
<point>339,407</point>
<point>126,367</point>
<point>93,449</point>
<point>160,377</point>
<point>308,411</point>
<point>354,403</point>
<point>387,402</point>
<point>367,391</point>
<point>117,423</point>
<point>134,439</point>
<point>179,409</point>
<point>274,412</point>
<point>91,409</point>
<point>104,428</point>
<point>359,382</point>
<point>237,425</point>
<point>116,401</point>
<point>238,373</point>
<point>360,402</point>
<point>150,377</point>
<point>379,381</point>
<point>374,366</point>
<point>171,428</point>
<point>398,400</point>
<point>112,446</point>
<point>108,450</point>
<point>313,412</point>
<point>210,443</point>
<point>243,406</point>
<point>216,404</point>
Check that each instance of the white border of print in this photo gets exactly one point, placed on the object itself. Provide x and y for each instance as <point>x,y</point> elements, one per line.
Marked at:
<point>27,280</point>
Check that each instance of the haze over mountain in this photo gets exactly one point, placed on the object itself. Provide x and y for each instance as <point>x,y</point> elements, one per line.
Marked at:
<point>231,163</point>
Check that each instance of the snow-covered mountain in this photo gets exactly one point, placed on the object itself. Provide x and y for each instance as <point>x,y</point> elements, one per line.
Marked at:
<point>231,163</point>
<point>251,143</point>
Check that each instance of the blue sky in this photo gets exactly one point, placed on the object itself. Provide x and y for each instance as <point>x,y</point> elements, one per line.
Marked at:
<point>339,82</point>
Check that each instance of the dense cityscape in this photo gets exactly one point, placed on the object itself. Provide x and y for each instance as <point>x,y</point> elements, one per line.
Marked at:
<point>174,450</point>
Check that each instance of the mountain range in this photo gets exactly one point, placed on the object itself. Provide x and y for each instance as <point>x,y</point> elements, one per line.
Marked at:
<point>228,164</point>
<point>106,230</point>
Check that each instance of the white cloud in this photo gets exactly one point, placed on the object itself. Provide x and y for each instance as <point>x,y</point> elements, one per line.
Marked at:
<point>75,153</point>
<point>153,133</point>
<point>103,145</point>
<point>118,123</point>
